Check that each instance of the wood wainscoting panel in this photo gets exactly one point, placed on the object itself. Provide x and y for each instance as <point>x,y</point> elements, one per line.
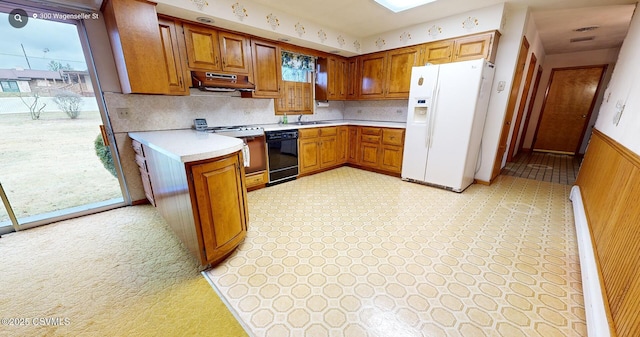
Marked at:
<point>610,183</point>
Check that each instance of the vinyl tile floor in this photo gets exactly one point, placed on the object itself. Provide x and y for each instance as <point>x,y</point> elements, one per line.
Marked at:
<point>354,253</point>
<point>551,167</point>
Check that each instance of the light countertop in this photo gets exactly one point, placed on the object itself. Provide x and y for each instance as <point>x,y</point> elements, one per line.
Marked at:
<point>293,125</point>
<point>191,145</point>
<point>188,145</point>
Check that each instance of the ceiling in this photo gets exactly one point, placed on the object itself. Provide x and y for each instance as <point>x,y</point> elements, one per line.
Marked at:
<point>557,28</point>
<point>555,20</point>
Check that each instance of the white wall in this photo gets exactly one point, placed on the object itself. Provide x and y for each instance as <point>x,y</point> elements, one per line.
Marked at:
<point>506,58</point>
<point>476,21</point>
<point>595,57</point>
<point>250,18</point>
<point>624,90</point>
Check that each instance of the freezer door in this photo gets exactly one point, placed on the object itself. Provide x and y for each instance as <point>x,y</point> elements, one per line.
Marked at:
<point>421,92</point>
<point>453,121</point>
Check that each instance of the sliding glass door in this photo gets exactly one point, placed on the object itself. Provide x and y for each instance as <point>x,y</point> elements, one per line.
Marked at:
<point>53,160</point>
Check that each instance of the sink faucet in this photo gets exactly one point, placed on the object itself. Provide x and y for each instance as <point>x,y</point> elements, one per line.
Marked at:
<point>300,118</point>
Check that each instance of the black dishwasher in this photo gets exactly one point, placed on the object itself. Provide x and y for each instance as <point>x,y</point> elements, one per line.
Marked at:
<point>282,149</point>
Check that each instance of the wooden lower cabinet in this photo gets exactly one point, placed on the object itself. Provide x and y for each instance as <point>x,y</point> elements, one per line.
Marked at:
<point>317,149</point>
<point>309,152</point>
<point>378,149</point>
<point>381,149</point>
<point>256,180</point>
<point>354,144</point>
<point>342,145</point>
<point>392,149</point>
<point>204,202</point>
<point>391,158</point>
<point>369,155</point>
<point>220,197</point>
<point>369,147</point>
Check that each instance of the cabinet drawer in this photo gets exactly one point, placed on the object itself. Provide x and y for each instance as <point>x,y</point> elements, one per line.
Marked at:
<point>137,147</point>
<point>142,163</point>
<point>308,133</point>
<point>256,179</point>
<point>370,131</point>
<point>392,136</point>
<point>370,139</point>
<point>330,131</point>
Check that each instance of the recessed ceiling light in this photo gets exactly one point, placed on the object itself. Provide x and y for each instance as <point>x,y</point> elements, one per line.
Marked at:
<point>283,39</point>
<point>334,51</point>
<point>401,5</point>
<point>204,19</point>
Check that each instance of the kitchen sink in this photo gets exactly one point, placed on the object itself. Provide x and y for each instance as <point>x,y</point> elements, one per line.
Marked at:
<point>311,123</point>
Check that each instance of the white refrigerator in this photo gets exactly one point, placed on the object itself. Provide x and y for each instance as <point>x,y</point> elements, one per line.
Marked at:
<point>447,109</point>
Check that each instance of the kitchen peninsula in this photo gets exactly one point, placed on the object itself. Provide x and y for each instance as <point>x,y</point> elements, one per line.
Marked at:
<point>197,183</point>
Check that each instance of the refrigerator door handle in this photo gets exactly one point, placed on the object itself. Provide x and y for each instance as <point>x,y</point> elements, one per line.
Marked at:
<point>432,119</point>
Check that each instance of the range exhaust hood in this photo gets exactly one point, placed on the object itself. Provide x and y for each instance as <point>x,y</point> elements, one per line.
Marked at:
<point>210,81</point>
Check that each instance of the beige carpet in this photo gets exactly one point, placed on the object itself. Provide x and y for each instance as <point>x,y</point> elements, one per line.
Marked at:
<point>118,273</point>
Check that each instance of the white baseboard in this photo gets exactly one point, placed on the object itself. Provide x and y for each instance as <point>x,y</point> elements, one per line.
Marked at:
<point>597,323</point>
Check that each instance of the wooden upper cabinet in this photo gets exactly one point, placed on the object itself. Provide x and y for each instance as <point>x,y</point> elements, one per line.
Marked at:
<point>322,77</point>
<point>331,78</point>
<point>438,52</point>
<point>203,50</point>
<point>339,74</point>
<point>211,50</point>
<point>236,53</point>
<point>353,90</point>
<point>130,25</point>
<point>266,69</point>
<point>372,73</point>
<point>337,81</point>
<point>387,75</point>
<point>297,98</point>
<point>400,63</point>
<point>173,49</point>
<point>476,46</point>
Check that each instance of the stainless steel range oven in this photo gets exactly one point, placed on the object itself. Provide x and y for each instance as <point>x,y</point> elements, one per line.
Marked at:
<point>282,148</point>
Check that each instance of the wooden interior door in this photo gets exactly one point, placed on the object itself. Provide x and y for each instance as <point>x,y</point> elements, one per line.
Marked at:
<point>523,102</point>
<point>511,106</point>
<point>567,108</point>
<point>534,94</point>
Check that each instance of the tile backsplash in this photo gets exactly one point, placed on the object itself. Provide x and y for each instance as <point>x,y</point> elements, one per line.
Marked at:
<point>388,111</point>
<point>157,112</point>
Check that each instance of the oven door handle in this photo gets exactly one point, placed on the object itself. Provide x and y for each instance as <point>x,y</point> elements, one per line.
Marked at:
<point>246,154</point>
